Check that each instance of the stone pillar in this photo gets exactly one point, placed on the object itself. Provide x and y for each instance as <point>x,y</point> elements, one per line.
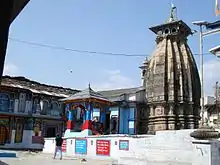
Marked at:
<point>13,136</point>
<point>11,108</point>
<point>171,118</point>
<point>151,120</point>
<point>206,152</point>
<point>207,146</point>
<point>13,131</point>
<point>16,103</point>
<point>38,109</point>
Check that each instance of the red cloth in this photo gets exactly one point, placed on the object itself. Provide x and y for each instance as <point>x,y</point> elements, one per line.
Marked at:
<point>70,124</point>
<point>87,125</point>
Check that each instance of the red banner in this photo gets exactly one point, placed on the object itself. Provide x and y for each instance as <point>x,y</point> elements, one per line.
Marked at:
<point>63,147</point>
<point>103,147</point>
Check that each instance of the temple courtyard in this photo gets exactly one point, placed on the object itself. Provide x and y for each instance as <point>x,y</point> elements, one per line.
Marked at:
<point>27,158</point>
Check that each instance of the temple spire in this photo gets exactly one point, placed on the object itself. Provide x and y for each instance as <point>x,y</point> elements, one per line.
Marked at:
<point>173,14</point>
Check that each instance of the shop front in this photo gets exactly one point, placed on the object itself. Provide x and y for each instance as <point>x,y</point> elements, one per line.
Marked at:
<point>5,130</point>
<point>51,127</point>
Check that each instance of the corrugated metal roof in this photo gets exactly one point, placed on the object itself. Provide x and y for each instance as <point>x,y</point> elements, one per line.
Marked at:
<point>86,94</point>
<point>36,87</point>
<point>119,92</point>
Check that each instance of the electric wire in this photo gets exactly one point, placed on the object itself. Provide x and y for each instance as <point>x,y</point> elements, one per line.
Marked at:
<point>84,51</point>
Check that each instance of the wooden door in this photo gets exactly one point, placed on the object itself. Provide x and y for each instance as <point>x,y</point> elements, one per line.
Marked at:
<point>19,132</point>
<point>3,134</point>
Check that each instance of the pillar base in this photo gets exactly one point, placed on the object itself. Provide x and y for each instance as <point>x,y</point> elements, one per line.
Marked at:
<point>205,133</point>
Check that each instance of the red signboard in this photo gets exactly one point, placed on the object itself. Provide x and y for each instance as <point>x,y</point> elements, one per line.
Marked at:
<point>63,147</point>
<point>103,147</point>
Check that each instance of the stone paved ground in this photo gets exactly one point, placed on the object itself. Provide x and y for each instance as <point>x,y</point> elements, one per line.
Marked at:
<point>25,158</point>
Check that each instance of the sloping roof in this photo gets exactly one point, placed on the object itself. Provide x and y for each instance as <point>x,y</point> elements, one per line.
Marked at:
<point>215,49</point>
<point>36,87</point>
<point>119,92</point>
<point>86,94</point>
<point>213,25</point>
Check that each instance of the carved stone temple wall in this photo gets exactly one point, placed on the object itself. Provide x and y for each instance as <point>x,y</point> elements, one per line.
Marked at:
<point>171,79</point>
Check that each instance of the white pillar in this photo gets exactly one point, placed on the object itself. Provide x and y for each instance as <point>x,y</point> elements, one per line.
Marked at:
<point>16,103</point>
<point>13,136</point>
<point>206,152</point>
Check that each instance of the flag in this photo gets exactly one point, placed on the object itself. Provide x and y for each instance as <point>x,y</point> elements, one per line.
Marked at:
<point>217,11</point>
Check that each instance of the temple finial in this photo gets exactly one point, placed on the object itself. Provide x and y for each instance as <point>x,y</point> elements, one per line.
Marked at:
<point>89,85</point>
<point>173,13</point>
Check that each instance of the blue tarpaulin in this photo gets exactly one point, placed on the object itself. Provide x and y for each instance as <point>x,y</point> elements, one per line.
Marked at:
<point>7,155</point>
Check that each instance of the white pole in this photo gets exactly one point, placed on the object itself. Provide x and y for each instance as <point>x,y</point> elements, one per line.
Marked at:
<point>201,74</point>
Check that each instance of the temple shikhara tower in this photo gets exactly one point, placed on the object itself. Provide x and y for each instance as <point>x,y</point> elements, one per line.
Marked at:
<point>171,79</point>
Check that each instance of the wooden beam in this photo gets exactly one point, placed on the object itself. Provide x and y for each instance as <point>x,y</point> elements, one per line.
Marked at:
<point>5,8</point>
<point>9,10</point>
<point>17,7</point>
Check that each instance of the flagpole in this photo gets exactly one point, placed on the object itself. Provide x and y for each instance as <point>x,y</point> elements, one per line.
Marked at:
<point>217,11</point>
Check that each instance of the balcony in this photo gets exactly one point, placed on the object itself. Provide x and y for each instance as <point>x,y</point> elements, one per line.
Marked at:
<point>49,112</point>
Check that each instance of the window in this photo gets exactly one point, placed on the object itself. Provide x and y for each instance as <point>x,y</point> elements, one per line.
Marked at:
<point>22,102</point>
<point>54,109</point>
<point>35,105</point>
<point>45,105</point>
<point>54,106</point>
<point>4,102</point>
<point>29,96</point>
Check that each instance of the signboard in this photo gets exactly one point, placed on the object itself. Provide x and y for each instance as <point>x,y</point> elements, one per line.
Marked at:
<point>103,147</point>
<point>81,146</point>
<point>63,147</point>
<point>124,145</point>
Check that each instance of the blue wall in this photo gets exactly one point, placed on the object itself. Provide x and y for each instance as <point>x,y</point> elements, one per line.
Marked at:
<point>4,102</point>
<point>127,118</point>
<point>131,121</point>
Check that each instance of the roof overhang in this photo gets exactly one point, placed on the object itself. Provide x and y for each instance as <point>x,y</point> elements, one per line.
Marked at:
<point>215,51</point>
<point>17,7</point>
<point>91,99</point>
<point>160,27</point>
<point>213,25</point>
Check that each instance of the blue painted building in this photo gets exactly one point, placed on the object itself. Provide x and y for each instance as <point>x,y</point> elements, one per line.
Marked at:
<point>123,112</point>
<point>129,113</point>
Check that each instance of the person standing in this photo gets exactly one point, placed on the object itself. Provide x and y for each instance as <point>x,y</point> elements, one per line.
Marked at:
<point>58,147</point>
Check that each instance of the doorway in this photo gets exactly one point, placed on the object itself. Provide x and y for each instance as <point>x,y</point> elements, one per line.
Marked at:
<point>51,132</point>
<point>19,132</point>
<point>107,123</point>
<point>3,134</point>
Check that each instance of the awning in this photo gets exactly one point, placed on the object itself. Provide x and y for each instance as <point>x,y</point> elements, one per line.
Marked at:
<point>213,25</point>
<point>215,51</point>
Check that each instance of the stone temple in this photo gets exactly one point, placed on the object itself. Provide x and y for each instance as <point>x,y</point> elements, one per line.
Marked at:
<point>171,79</point>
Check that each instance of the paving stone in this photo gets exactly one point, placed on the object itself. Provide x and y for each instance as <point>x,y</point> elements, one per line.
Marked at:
<point>24,158</point>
